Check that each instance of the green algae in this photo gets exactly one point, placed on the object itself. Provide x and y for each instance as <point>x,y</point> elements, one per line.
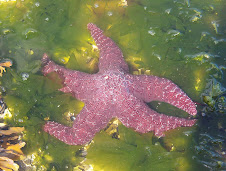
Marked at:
<point>172,39</point>
<point>30,102</point>
<point>135,151</point>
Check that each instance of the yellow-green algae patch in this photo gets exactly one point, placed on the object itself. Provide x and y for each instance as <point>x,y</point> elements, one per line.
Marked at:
<point>29,107</point>
<point>134,151</point>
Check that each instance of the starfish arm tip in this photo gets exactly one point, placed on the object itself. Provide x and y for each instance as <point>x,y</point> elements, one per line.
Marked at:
<point>191,122</point>
<point>193,111</point>
<point>90,26</point>
<point>46,127</point>
<point>45,59</point>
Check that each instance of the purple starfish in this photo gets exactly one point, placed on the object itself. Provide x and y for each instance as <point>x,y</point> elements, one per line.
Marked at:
<point>113,92</point>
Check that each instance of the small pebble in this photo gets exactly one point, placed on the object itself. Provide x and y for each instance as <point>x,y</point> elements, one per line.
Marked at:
<point>25,76</point>
<point>72,118</point>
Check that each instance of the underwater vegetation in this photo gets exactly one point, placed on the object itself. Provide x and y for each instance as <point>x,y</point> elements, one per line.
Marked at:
<point>11,143</point>
<point>10,150</point>
<point>183,41</point>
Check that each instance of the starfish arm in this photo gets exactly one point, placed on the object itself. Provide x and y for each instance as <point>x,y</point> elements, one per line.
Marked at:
<point>153,88</point>
<point>91,120</point>
<point>111,57</point>
<point>50,66</point>
<point>137,115</point>
<point>75,82</point>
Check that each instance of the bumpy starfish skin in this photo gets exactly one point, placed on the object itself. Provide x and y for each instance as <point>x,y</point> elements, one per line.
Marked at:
<point>113,92</point>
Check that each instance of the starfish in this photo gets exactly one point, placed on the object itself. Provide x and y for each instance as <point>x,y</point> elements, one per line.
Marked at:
<point>114,93</point>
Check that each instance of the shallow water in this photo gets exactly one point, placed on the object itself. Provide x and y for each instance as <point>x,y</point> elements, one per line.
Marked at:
<point>181,40</point>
